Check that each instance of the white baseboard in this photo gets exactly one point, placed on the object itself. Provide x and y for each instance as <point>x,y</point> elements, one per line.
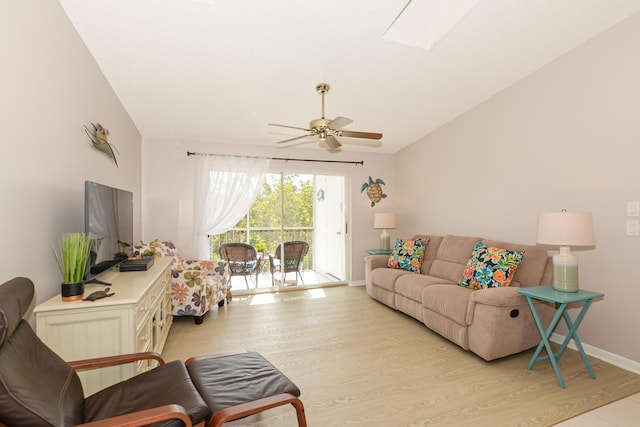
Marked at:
<point>357,283</point>
<point>614,359</point>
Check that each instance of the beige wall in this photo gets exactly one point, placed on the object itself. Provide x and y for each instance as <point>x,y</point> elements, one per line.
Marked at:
<point>50,87</point>
<point>567,136</point>
<point>168,188</point>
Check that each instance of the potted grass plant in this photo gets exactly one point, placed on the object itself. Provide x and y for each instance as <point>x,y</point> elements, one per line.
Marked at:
<point>72,260</point>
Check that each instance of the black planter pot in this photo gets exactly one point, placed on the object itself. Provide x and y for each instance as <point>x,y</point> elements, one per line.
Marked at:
<point>72,291</point>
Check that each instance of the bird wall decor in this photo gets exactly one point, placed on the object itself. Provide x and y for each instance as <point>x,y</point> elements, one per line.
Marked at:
<point>98,135</point>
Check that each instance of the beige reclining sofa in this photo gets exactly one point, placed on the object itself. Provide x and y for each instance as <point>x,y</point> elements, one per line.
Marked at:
<point>492,323</point>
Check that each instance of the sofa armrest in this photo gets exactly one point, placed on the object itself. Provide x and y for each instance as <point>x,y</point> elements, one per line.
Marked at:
<point>376,261</point>
<point>218,271</point>
<point>371,263</point>
<point>191,292</point>
<point>497,297</point>
<point>192,264</point>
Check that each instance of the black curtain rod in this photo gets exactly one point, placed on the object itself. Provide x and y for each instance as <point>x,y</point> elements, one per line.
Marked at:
<point>361,162</point>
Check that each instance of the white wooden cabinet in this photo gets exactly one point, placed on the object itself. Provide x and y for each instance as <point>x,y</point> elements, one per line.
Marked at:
<point>137,318</point>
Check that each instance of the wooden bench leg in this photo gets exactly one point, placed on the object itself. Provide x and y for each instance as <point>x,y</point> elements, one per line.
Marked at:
<point>260,405</point>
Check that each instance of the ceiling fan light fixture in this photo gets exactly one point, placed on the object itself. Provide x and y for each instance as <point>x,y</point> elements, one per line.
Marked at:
<point>327,130</point>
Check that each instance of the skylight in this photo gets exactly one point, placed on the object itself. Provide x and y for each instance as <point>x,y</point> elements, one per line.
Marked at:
<point>423,22</point>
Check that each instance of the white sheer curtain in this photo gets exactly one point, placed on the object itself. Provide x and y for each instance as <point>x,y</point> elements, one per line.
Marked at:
<point>225,189</point>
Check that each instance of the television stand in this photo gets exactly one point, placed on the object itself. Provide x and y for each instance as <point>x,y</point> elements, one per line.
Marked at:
<point>96,282</point>
<point>136,319</point>
<point>103,265</point>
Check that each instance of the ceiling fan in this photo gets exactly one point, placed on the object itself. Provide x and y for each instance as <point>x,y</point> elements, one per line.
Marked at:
<point>329,132</point>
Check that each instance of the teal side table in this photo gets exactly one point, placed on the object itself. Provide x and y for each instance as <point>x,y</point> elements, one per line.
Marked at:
<point>562,300</point>
<point>379,251</point>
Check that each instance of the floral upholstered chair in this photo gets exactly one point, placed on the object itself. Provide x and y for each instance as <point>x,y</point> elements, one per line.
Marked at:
<point>195,285</point>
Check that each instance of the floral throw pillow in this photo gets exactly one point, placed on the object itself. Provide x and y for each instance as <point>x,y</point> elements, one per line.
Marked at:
<point>490,267</point>
<point>408,254</point>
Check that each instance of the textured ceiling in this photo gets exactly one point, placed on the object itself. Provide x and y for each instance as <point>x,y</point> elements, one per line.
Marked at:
<point>220,70</point>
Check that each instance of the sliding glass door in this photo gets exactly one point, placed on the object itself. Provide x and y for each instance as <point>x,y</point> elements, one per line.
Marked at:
<point>292,207</point>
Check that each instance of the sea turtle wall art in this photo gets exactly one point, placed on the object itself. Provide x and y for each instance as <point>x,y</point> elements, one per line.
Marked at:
<point>374,190</point>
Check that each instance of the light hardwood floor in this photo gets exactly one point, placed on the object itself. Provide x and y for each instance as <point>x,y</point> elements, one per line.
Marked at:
<point>360,363</point>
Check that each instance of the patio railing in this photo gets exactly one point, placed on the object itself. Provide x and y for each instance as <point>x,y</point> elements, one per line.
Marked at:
<point>267,236</point>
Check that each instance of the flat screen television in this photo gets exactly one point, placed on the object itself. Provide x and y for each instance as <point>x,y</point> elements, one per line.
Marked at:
<point>108,216</point>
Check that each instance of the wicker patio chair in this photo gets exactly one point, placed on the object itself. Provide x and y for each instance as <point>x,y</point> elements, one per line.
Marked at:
<point>294,253</point>
<point>242,259</point>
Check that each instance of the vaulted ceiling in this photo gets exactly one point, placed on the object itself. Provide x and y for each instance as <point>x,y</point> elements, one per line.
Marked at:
<point>221,70</point>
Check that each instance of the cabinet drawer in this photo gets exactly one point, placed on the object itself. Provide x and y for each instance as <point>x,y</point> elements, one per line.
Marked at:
<point>144,343</point>
<point>141,312</point>
<point>160,289</point>
<point>144,337</point>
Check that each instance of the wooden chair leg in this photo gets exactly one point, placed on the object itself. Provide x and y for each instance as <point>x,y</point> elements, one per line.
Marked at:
<point>198,319</point>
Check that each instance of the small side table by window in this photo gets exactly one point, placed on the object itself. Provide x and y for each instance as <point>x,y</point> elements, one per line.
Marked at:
<point>561,300</point>
<point>379,251</point>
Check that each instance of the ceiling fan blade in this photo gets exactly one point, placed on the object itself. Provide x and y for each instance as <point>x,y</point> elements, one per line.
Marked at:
<point>339,123</point>
<point>354,134</point>
<point>290,127</point>
<point>332,143</point>
<point>292,139</point>
<point>362,142</point>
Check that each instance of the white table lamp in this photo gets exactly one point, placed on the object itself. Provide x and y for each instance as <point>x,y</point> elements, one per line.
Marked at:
<point>384,221</point>
<point>565,229</point>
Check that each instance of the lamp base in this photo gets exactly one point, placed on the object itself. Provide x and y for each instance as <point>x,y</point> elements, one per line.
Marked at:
<point>385,241</point>
<point>565,271</point>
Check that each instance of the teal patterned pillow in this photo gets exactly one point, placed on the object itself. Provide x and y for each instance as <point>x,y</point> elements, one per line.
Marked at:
<point>490,267</point>
<point>408,254</point>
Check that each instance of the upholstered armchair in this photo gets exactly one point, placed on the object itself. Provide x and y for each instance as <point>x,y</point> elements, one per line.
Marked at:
<point>195,285</point>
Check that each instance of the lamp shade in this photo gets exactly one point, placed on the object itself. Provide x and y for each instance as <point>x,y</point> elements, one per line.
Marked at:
<point>384,221</point>
<point>565,229</point>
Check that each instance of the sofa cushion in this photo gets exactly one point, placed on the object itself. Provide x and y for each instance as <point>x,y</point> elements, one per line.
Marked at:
<point>386,277</point>
<point>449,301</point>
<point>430,253</point>
<point>453,254</point>
<point>490,267</point>
<point>408,254</point>
<point>411,285</point>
